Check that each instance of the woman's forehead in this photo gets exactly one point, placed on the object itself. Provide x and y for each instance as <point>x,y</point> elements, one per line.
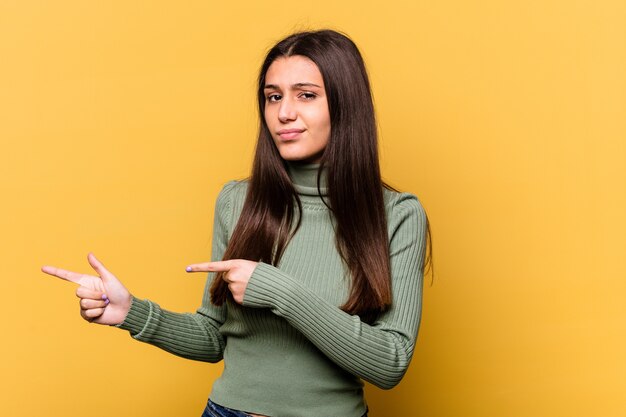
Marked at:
<point>292,70</point>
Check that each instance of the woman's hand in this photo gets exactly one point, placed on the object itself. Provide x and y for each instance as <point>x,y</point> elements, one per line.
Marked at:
<point>237,273</point>
<point>103,298</point>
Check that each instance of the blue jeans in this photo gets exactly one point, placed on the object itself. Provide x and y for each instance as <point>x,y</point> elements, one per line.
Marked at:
<point>216,410</point>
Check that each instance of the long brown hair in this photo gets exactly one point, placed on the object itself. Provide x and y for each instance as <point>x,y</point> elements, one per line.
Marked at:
<point>271,211</point>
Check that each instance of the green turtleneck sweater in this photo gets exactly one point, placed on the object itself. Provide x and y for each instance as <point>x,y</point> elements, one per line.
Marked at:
<point>289,350</point>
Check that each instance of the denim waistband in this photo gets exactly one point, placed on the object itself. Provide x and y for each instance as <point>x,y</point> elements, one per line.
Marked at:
<point>216,410</point>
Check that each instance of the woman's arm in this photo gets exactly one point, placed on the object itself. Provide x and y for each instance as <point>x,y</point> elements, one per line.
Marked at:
<point>190,335</point>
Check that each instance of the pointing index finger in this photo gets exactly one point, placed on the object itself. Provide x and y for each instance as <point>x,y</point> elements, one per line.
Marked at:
<point>62,273</point>
<point>217,266</point>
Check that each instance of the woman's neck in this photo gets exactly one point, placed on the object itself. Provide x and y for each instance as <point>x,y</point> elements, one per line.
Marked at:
<point>304,178</point>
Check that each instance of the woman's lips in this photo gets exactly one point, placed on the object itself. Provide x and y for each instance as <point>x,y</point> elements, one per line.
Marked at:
<point>289,133</point>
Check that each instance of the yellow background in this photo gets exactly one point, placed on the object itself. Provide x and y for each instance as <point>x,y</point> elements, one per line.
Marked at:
<point>121,120</point>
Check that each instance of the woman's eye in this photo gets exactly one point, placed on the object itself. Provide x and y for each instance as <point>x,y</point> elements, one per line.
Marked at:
<point>273,97</point>
<point>308,96</point>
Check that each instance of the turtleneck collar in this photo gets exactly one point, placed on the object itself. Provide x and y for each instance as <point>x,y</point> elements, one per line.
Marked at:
<point>304,178</point>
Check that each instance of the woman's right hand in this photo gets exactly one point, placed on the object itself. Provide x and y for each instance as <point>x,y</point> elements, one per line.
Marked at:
<point>103,298</point>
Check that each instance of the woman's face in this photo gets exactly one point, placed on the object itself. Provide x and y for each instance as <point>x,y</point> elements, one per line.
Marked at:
<point>296,109</point>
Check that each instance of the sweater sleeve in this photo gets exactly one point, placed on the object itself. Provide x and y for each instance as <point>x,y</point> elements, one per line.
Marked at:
<point>379,353</point>
<point>190,335</point>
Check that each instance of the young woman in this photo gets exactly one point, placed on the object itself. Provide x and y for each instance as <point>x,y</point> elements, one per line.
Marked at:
<point>317,269</point>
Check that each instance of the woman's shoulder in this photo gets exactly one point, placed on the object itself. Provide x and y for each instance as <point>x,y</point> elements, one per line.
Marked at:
<point>234,188</point>
<point>400,205</point>
<point>232,195</point>
<point>394,198</point>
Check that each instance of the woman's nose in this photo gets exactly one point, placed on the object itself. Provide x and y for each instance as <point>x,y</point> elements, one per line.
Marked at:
<point>287,111</point>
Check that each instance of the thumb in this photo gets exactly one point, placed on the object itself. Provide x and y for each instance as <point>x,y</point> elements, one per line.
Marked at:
<point>98,267</point>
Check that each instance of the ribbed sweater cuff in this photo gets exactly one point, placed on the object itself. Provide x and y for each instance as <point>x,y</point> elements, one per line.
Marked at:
<point>267,284</point>
<point>137,316</point>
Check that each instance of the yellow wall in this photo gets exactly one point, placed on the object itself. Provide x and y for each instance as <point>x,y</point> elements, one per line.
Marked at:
<point>121,120</point>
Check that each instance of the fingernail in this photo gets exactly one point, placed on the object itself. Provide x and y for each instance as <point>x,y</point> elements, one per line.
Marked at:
<point>188,269</point>
<point>104,297</point>
<point>107,301</point>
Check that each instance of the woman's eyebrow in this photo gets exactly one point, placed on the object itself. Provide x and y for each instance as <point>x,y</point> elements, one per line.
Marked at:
<point>294,86</point>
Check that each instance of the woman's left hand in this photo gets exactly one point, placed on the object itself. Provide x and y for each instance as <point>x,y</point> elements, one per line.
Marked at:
<point>237,273</point>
